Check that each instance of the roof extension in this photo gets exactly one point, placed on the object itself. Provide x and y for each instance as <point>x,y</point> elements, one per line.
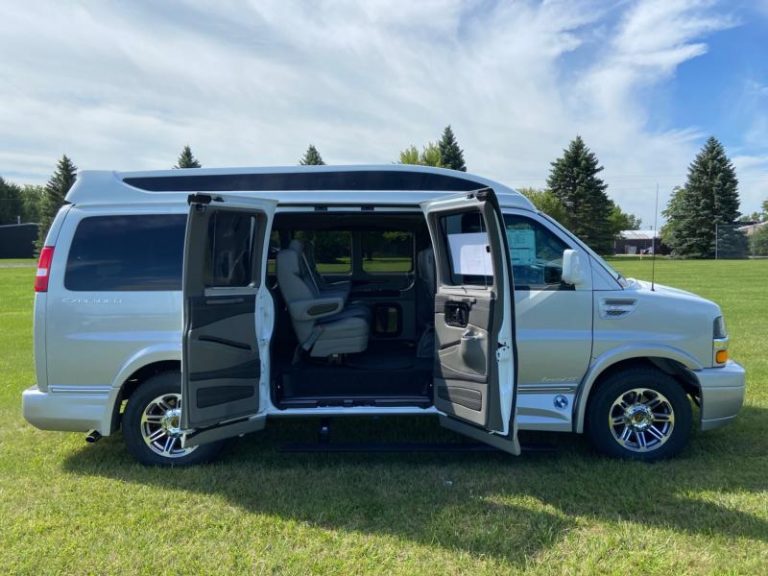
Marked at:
<point>385,184</point>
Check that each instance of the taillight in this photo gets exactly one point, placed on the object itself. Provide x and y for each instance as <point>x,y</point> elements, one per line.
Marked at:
<point>43,269</point>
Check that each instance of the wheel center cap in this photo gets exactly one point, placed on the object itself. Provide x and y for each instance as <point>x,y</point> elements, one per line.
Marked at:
<point>171,421</point>
<point>638,416</point>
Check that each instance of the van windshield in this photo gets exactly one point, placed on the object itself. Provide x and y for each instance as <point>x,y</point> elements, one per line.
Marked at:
<point>611,270</point>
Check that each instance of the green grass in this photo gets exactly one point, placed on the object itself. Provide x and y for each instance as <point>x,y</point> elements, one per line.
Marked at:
<point>68,507</point>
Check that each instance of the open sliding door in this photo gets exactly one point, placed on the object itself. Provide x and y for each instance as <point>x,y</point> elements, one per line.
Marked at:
<point>475,363</point>
<point>228,317</point>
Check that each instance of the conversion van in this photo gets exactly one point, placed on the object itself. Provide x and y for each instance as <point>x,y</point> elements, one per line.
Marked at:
<point>186,307</point>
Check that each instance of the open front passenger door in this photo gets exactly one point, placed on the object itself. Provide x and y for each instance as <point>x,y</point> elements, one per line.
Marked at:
<point>228,317</point>
<point>475,363</point>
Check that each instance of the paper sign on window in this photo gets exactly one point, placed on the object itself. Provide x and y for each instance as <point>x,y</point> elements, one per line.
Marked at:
<point>469,254</point>
<point>522,246</point>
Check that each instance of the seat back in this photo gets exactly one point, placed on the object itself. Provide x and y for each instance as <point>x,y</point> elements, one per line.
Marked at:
<point>309,258</point>
<point>296,283</point>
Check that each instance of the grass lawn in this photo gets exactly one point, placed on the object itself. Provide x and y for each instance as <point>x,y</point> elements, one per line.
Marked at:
<point>67,507</point>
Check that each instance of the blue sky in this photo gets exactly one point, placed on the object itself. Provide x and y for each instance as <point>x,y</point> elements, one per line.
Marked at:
<point>126,85</point>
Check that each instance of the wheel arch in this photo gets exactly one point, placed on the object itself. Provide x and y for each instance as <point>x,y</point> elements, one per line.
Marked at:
<point>142,366</point>
<point>674,363</point>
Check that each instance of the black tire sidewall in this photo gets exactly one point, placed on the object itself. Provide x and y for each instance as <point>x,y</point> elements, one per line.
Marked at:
<point>163,383</point>
<point>597,414</point>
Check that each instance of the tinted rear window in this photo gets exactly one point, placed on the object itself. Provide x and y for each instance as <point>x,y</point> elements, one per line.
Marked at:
<point>122,253</point>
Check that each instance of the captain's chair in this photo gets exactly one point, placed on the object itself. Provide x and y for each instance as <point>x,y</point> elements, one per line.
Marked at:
<point>322,324</point>
<point>324,289</point>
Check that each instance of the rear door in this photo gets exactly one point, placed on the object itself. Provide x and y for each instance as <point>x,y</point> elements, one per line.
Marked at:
<point>475,363</point>
<point>228,317</point>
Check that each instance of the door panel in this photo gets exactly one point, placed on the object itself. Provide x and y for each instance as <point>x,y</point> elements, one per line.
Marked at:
<point>224,368</point>
<point>225,347</point>
<point>475,360</point>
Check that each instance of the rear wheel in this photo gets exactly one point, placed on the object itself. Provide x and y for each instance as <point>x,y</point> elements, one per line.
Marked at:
<point>640,414</point>
<point>152,425</point>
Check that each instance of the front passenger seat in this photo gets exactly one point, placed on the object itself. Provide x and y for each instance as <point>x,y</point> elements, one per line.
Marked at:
<point>320,321</point>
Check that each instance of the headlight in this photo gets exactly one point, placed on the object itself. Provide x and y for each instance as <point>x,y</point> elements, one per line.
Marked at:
<point>719,342</point>
<point>718,330</point>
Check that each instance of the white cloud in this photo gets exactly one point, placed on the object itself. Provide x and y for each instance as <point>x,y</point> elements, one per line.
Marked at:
<point>125,86</point>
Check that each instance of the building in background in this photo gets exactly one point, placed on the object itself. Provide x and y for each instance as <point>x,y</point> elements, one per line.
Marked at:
<point>639,242</point>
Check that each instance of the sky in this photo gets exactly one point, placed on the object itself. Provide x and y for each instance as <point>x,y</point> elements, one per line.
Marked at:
<point>125,85</point>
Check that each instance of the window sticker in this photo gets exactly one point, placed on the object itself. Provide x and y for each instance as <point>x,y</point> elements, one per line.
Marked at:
<point>522,246</point>
<point>470,255</point>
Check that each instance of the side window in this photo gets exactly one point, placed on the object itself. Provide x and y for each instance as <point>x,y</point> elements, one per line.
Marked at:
<point>330,251</point>
<point>387,251</point>
<point>126,253</point>
<point>536,254</point>
<point>469,257</point>
<point>229,258</point>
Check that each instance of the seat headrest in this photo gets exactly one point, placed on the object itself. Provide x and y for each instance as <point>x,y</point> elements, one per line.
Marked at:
<point>296,245</point>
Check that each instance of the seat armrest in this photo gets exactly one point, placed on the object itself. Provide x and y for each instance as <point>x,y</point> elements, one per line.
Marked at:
<point>335,292</point>
<point>303,310</point>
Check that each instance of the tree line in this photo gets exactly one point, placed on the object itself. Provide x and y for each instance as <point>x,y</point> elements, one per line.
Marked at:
<point>702,216</point>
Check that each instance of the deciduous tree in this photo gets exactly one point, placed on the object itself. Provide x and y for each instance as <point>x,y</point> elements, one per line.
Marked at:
<point>429,156</point>
<point>545,201</point>
<point>11,202</point>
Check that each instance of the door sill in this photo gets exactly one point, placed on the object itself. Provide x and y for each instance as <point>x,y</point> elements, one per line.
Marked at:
<point>354,402</point>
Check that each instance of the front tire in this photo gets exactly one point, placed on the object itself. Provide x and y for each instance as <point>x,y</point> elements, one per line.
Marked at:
<point>641,414</point>
<point>151,425</point>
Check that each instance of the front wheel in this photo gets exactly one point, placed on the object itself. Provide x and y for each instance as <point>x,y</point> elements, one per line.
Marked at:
<point>152,425</point>
<point>640,414</point>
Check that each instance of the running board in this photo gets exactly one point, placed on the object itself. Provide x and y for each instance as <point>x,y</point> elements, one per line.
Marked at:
<point>324,444</point>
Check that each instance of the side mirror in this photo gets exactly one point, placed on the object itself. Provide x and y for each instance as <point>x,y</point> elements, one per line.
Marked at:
<point>574,271</point>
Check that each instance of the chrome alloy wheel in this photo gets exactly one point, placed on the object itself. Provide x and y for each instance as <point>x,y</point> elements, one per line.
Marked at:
<point>641,419</point>
<point>161,426</point>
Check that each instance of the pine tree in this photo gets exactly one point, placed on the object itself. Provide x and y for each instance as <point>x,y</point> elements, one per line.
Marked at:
<point>701,215</point>
<point>312,157</point>
<point>451,156</point>
<point>55,191</point>
<point>187,159</point>
<point>573,179</point>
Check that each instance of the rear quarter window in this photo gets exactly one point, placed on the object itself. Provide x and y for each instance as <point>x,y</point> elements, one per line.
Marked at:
<point>126,253</point>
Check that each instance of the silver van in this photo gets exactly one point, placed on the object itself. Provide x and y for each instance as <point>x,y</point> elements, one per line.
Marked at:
<point>189,306</point>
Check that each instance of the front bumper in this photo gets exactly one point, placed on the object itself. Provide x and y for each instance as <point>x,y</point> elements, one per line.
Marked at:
<point>74,409</point>
<point>722,394</point>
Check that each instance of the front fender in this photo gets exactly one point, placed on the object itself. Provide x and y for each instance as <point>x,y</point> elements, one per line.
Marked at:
<point>599,365</point>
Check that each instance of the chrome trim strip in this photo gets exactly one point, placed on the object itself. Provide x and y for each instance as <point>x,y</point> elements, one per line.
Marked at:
<point>546,388</point>
<point>75,389</point>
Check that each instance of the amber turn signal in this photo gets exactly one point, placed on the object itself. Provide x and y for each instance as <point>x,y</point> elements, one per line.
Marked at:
<point>721,356</point>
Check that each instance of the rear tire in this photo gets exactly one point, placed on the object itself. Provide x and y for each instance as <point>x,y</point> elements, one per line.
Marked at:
<point>639,414</point>
<point>151,425</point>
